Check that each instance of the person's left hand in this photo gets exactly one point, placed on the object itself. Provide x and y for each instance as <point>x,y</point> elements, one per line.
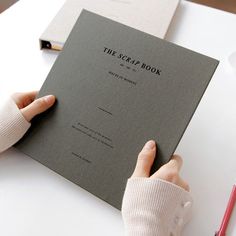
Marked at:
<point>29,106</point>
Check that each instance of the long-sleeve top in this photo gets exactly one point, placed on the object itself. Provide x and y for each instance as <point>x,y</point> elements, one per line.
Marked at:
<point>151,207</point>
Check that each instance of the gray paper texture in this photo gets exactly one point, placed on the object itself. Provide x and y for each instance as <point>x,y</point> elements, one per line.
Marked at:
<point>116,88</point>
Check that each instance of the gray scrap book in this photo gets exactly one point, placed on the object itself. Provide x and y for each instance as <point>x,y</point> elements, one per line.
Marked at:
<point>116,88</point>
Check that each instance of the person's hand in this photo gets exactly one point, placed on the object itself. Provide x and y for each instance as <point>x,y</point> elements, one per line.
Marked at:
<point>159,204</point>
<point>29,106</point>
<point>168,172</point>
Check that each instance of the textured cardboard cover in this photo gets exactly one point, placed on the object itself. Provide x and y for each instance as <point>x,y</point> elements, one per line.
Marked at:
<point>152,16</point>
<point>107,108</point>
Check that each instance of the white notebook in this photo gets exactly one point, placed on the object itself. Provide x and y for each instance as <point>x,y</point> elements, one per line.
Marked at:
<point>150,16</point>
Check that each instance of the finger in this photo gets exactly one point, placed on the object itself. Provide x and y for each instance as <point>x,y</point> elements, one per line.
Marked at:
<point>38,106</point>
<point>145,160</point>
<point>172,177</point>
<point>175,162</point>
<point>170,170</point>
<point>24,99</point>
<point>183,184</point>
<point>31,95</point>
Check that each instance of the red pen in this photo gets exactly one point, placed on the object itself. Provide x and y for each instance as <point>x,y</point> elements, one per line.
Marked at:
<point>228,211</point>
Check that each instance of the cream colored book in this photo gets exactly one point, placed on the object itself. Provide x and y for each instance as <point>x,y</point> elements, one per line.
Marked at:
<point>150,16</point>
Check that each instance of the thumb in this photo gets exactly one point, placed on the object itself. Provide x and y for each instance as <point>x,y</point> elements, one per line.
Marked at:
<point>145,160</point>
<point>38,106</point>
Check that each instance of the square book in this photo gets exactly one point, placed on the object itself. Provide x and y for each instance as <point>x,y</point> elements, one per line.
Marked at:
<point>152,16</point>
<point>116,88</point>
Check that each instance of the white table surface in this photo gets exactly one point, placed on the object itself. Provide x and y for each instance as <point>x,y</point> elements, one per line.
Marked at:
<point>36,201</point>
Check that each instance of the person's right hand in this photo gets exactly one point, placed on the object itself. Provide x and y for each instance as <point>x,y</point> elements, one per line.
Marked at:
<point>157,204</point>
<point>168,172</point>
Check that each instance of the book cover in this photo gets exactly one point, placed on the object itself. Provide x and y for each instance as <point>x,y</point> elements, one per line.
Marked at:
<point>116,88</point>
<point>152,17</point>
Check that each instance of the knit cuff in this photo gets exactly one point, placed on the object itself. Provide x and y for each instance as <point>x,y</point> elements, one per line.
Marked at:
<point>13,125</point>
<point>155,207</point>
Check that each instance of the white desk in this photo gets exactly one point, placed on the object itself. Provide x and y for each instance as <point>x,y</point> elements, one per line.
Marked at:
<point>36,201</point>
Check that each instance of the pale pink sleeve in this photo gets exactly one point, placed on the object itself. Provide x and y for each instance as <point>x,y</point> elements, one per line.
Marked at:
<point>155,207</point>
<point>12,124</point>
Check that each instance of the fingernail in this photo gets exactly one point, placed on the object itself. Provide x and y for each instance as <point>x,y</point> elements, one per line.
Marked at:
<point>49,99</point>
<point>150,145</point>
